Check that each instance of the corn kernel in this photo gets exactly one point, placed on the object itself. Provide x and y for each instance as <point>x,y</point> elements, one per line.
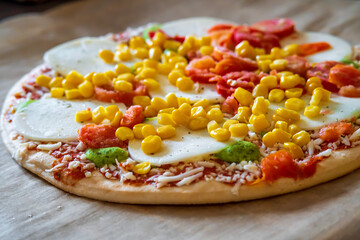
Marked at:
<point>311,87</point>
<point>137,42</point>
<point>215,114</point>
<point>264,65</point>
<point>276,53</point>
<point>319,94</point>
<point>281,125</point>
<point>43,81</point>
<point>260,106</point>
<point>142,101</point>
<point>229,122</point>
<point>206,50</point>
<point>190,41</point>
<point>281,136</point>
<point>57,92</point>
<point>86,89</point>
<point>164,68</point>
<point>269,139</point>
<point>166,131</point>
<point>129,77</point>
<point>110,111</point>
<point>124,133</point>
<point>123,86</point>
<point>137,130</point>
<point>221,134</point>
<point>172,45</point>
<point>295,151</point>
<point>158,103</point>
<point>180,118</point>
<point>122,68</point>
<point>72,94</point>
<point>177,59</point>
<point>100,79</point>
<point>165,119</point>
<point>244,49</point>
<point>167,110</point>
<point>155,53</point>
<point>291,49</point>
<point>117,118</point>
<point>142,168</point>
<point>83,116</point>
<point>212,125</point>
<point>124,55</point>
<point>74,78</point>
<point>198,123</point>
<point>269,81</point>
<point>293,92</point>
<point>98,114</point>
<point>150,111</point>
<point>243,96</point>
<point>301,138</point>
<point>185,108</point>
<point>239,130</point>
<point>243,114</point>
<point>312,111</point>
<point>182,100</point>
<point>110,74</point>
<point>276,95</point>
<point>293,129</point>
<point>205,41</point>
<point>56,82</point>
<point>150,63</point>
<point>159,39</point>
<point>147,130</point>
<point>184,83</point>
<point>184,49</point>
<point>68,85</point>
<point>295,104</point>
<point>289,81</point>
<point>198,112</point>
<point>174,76</point>
<point>289,115</point>
<point>260,90</point>
<point>141,53</point>
<point>172,100</point>
<point>106,55</point>
<point>279,64</point>
<point>260,51</point>
<point>147,73</point>
<point>264,57</point>
<point>151,84</point>
<point>259,122</point>
<point>151,144</point>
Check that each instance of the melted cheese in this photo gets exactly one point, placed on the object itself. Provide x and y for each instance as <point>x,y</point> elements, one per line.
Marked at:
<point>339,51</point>
<point>51,119</point>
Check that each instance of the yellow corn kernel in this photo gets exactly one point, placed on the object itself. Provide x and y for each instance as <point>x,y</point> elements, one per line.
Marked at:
<point>281,136</point>
<point>190,41</point>
<point>150,63</point>
<point>260,51</point>
<point>147,130</point>
<point>312,111</point>
<point>141,53</point>
<point>180,118</point>
<point>150,111</point>
<point>68,85</point>
<point>98,114</point>
<point>295,104</point>
<point>279,64</point>
<point>167,110</point>
<point>172,45</point>
<point>185,108</point>
<point>198,123</point>
<point>57,92</point>
<point>289,81</point>
<point>288,114</point>
<point>165,119</point>
<point>155,53</point>
<point>264,57</point>
<point>136,42</point>
<point>184,83</point>
<point>260,106</point>
<point>206,50</point>
<point>243,114</point>
<point>244,49</point>
<point>276,95</point>
<point>100,79</point>
<point>229,122</point>
<point>319,94</point>
<point>56,82</point>
<point>151,84</point>
<point>89,77</point>
<point>182,100</point>
<point>172,100</point>
<point>269,81</point>
<point>198,112</point>
<point>205,41</point>
<point>293,129</point>
<point>83,116</point>
<point>177,59</point>
<point>164,68</point>
<point>43,81</point>
<point>122,68</point>
<point>106,55</point>
<point>142,168</point>
<point>259,122</point>
<point>243,96</point>
<point>86,89</point>
<point>312,83</point>
<point>159,39</point>
<point>184,49</point>
<point>293,92</point>
<point>284,73</point>
<point>166,131</point>
<point>269,139</point>
<point>281,125</point>
<point>147,73</point>
<point>220,134</point>
<point>216,106</point>
<point>174,76</point>
<point>295,151</point>
<point>142,101</point>
<point>137,130</point>
<point>151,144</point>
<point>202,102</point>
<point>276,53</point>
<point>123,86</point>
<point>264,65</point>
<point>72,94</point>
<point>239,130</point>
<point>117,118</point>
<point>124,133</point>
<point>158,103</point>
<point>212,125</point>
<point>260,90</point>
<point>110,111</point>
<point>291,49</point>
<point>110,74</point>
<point>301,138</point>
<point>74,78</point>
<point>215,114</point>
<point>129,77</point>
<point>124,55</point>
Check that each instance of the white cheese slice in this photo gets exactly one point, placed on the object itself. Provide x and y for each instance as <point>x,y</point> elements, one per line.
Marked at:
<point>207,91</point>
<point>186,146</point>
<point>81,55</point>
<point>340,49</point>
<point>50,119</point>
<point>340,108</point>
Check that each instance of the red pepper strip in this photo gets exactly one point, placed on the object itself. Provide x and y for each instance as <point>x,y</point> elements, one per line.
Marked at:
<point>307,49</point>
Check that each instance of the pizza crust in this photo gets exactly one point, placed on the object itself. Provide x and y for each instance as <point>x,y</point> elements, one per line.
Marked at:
<point>98,187</point>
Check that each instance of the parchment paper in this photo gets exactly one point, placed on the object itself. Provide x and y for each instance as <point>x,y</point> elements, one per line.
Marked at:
<point>30,208</point>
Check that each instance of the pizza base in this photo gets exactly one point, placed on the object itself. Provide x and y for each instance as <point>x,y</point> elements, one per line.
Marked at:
<point>204,192</point>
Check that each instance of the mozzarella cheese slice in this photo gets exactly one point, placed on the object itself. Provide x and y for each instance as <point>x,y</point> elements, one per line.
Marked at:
<point>339,108</point>
<point>340,49</point>
<point>50,119</point>
<point>81,55</point>
<point>186,146</point>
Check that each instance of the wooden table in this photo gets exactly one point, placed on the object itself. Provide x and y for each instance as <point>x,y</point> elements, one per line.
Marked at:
<point>30,208</point>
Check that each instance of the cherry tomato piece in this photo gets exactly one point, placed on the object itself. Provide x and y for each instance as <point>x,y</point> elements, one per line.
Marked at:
<point>281,27</point>
<point>134,115</point>
<point>279,165</point>
<point>332,132</point>
<point>99,136</point>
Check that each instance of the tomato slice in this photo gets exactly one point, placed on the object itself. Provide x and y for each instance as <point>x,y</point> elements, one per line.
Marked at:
<point>99,136</point>
<point>230,105</point>
<point>322,70</point>
<point>199,69</point>
<point>234,64</point>
<point>134,115</point>
<point>350,91</point>
<point>308,168</point>
<point>297,65</point>
<point>307,49</point>
<point>281,27</point>
<point>279,165</point>
<point>243,79</point>
<point>344,75</point>
<point>332,132</point>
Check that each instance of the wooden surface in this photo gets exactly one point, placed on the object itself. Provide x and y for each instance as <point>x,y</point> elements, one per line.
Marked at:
<point>30,208</point>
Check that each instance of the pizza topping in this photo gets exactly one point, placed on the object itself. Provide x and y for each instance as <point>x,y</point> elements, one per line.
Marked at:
<point>332,132</point>
<point>104,156</point>
<point>281,27</point>
<point>99,136</point>
<point>239,151</point>
<point>307,49</point>
<point>279,165</point>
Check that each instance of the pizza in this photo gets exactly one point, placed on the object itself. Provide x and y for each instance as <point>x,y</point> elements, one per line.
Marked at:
<point>193,111</point>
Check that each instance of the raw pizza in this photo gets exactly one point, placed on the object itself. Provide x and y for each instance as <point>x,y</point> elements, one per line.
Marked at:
<point>193,111</point>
